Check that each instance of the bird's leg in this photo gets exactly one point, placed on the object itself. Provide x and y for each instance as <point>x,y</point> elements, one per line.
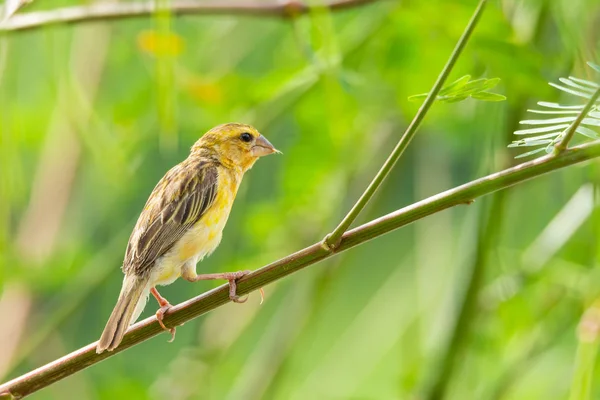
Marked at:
<point>164,307</point>
<point>231,277</point>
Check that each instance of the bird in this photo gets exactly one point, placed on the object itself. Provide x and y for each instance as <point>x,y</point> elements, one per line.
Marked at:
<point>182,222</point>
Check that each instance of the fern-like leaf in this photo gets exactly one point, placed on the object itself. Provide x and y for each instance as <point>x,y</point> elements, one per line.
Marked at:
<point>551,130</point>
<point>463,88</point>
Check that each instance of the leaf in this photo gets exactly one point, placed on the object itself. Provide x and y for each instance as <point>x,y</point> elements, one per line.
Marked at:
<point>559,106</point>
<point>460,82</point>
<point>456,99</point>
<point>593,85</point>
<point>553,134</point>
<point>595,66</point>
<point>547,121</point>
<point>532,152</point>
<point>530,143</point>
<point>488,96</point>
<point>463,88</point>
<point>587,132</point>
<point>482,84</point>
<point>591,121</point>
<point>476,84</point>
<point>569,82</point>
<point>558,128</point>
<point>553,112</point>
<point>570,91</point>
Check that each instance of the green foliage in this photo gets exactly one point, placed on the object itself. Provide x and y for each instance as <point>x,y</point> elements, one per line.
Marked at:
<point>587,351</point>
<point>332,95</point>
<point>552,129</point>
<point>464,88</point>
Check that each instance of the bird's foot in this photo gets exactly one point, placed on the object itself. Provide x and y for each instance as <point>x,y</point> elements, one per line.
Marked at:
<point>232,278</point>
<point>160,313</point>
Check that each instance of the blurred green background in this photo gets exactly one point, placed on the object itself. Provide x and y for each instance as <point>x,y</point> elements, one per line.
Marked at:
<point>92,115</point>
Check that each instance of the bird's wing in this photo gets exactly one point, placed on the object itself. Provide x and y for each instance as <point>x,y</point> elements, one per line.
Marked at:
<point>177,202</point>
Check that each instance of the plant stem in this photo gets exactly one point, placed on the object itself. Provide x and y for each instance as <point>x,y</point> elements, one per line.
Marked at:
<point>144,330</point>
<point>332,240</point>
<point>562,145</point>
<point>128,10</point>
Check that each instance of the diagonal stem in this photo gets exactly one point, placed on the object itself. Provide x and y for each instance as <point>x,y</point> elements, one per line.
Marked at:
<point>570,132</point>
<point>144,330</point>
<point>332,240</point>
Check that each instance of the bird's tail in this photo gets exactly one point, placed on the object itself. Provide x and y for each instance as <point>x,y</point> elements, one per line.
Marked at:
<point>121,317</point>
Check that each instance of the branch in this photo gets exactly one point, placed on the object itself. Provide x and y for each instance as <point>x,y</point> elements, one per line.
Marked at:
<point>114,11</point>
<point>333,238</point>
<point>183,312</point>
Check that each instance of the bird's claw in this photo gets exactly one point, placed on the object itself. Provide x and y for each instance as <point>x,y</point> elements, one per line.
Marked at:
<point>160,314</point>
<point>232,277</point>
<point>238,299</point>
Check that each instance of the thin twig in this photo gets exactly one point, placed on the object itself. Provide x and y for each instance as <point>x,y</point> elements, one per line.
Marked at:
<point>136,9</point>
<point>334,237</point>
<point>181,313</point>
<point>562,145</point>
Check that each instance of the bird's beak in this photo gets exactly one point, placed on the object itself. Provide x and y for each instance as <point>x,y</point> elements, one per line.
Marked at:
<point>263,147</point>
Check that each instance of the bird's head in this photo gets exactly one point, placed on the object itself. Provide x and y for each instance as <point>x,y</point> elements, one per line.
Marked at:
<point>235,145</point>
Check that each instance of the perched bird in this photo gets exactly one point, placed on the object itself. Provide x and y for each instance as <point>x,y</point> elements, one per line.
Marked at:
<point>182,222</point>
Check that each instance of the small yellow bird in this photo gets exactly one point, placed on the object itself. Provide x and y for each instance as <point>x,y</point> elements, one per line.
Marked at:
<point>182,222</point>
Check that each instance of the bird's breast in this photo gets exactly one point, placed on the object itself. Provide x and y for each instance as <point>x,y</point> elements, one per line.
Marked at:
<point>201,239</point>
<point>204,237</point>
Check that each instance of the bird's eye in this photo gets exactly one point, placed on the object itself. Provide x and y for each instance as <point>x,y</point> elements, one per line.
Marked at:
<point>246,137</point>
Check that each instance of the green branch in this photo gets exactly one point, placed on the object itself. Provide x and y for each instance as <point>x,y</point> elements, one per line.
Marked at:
<point>181,313</point>
<point>332,240</point>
